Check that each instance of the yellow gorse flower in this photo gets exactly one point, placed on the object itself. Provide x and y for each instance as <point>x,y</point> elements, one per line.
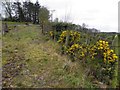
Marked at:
<point>51,33</point>
<point>100,48</point>
<point>75,36</point>
<point>108,53</point>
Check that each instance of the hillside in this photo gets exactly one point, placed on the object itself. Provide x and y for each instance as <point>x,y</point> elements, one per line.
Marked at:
<point>42,47</point>
<point>33,60</point>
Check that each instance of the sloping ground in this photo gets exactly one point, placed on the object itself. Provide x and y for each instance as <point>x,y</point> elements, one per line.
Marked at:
<point>32,60</point>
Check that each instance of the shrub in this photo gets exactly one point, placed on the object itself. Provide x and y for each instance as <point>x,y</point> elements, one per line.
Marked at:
<point>74,37</point>
<point>97,56</point>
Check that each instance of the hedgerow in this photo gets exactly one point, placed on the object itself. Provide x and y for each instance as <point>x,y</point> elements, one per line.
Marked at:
<point>99,57</point>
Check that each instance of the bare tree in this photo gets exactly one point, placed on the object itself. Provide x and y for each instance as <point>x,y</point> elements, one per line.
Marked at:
<point>8,8</point>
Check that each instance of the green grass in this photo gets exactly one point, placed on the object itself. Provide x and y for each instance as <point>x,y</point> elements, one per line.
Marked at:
<point>40,62</point>
<point>13,23</point>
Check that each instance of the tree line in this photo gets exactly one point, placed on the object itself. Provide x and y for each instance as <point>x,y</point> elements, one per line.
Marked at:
<point>24,11</point>
<point>33,12</point>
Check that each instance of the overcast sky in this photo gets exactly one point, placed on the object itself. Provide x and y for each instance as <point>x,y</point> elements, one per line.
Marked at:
<point>99,14</point>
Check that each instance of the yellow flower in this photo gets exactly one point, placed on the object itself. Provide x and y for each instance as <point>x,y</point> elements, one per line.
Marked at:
<point>110,61</point>
<point>101,47</point>
<point>115,56</point>
<point>82,54</point>
<point>104,59</point>
<point>100,44</point>
<point>100,41</point>
<point>112,51</point>
<point>76,45</point>
<point>92,57</point>
<point>106,42</point>
<point>51,33</point>
<point>103,42</point>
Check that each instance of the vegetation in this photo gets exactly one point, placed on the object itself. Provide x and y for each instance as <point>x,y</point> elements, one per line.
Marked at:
<point>55,54</point>
<point>44,18</point>
<point>22,12</point>
<point>98,56</point>
<point>28,53</point>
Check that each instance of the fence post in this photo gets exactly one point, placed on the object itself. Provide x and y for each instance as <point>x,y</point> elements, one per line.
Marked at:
<point>5,28</point>
<point>67,36</point>
<point>115,75</point>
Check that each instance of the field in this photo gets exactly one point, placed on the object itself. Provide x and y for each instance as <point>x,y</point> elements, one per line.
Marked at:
<point>31,59</point>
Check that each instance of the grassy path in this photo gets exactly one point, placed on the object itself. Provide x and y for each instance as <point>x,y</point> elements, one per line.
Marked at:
<point>32,60</point>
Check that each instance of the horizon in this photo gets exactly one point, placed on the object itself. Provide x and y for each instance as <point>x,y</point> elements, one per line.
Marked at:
<point>101,15</point>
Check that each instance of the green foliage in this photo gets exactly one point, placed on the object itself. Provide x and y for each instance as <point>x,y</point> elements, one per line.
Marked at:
<point>61,26</point>
<point>22,11</point>
<point>41,64</point>
<point>44,17</point>
<point>97,56</point>
<point>44,14</point>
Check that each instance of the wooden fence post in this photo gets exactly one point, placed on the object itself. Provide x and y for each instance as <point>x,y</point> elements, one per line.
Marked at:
<point>67,36</point>
<point>5,28</point>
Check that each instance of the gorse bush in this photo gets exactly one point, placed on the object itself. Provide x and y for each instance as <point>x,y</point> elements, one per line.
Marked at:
<point>103,61</point>
<point>74,37</point>
<point>97,56</point>
<point>78,51</point>
<point>108,54</point>
<point>51,33</point>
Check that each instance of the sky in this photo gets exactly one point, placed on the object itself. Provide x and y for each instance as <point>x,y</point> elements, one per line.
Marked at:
<point>99,14</point>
